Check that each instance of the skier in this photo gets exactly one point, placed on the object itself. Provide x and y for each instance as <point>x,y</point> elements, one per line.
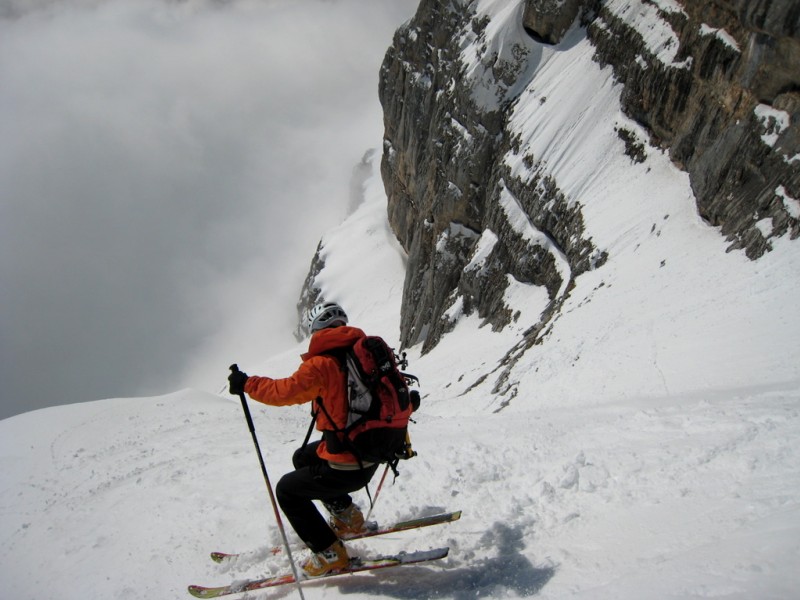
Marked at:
<point>323,470</point>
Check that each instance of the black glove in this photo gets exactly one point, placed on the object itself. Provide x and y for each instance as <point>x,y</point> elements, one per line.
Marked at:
<point>237,379</point>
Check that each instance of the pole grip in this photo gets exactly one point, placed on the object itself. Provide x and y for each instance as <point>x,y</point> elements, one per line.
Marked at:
<point>235,369</point>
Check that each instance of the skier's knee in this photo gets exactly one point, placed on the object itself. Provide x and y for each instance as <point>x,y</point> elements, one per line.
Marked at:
<point>283,491</point>
<point>298,459</point>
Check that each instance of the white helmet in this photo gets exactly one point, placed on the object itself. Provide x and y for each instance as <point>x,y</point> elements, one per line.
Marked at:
<point>328,314</point>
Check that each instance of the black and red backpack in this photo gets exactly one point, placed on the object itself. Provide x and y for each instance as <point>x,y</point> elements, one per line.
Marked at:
<point>380,404</point>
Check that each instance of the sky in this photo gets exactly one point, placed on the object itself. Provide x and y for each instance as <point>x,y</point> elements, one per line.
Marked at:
<point>153,158</point>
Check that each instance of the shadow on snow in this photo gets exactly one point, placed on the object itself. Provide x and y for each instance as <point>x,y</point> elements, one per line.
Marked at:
<point>509,570</point>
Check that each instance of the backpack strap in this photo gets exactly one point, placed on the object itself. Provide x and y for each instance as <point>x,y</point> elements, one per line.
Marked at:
<point>347,443</point>
<point>311,425</point>
<point>341,433</point>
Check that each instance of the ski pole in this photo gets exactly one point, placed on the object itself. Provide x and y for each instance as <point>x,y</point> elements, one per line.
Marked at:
<point>377,493</point>
<point>409,453</point>
<point>251,426</point>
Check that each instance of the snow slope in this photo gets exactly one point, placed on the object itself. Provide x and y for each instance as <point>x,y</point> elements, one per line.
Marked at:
<point>650,448</point>
<point>691,494</point>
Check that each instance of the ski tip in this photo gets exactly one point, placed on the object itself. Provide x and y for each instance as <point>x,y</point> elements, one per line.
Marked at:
<point>221,557</point>
<point>199,591</point>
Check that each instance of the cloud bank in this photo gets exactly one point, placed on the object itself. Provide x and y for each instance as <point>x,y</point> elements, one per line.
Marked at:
<point>166,170</point>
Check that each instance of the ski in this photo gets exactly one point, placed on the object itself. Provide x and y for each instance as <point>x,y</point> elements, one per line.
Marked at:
<point>357,565</point>
<point>372,530</point>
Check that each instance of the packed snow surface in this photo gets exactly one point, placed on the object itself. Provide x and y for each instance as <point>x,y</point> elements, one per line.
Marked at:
<point>648,448</point>
<point>629,493</point>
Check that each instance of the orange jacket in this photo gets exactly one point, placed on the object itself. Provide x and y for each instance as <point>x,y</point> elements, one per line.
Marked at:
<point>319,376</point>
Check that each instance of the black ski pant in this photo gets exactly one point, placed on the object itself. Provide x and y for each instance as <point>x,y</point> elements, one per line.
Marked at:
<point>314,479</point>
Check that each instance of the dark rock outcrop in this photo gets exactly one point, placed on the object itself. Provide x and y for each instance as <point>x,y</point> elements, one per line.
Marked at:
<point>443,178</point>
<point>549,20</point>
<point>716,102</point>
<point>736,66</point>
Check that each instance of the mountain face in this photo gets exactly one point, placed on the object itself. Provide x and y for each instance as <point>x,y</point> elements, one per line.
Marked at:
<point>713,84</point>
<point>716,91</point>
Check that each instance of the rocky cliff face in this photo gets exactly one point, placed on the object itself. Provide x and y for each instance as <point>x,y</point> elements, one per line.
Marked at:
<point>444,135</point>
<point>721,91</point>
<point>717,83</point>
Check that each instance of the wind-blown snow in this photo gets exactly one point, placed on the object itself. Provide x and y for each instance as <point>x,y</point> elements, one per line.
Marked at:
<point>792,205</point>
<point>774,121</point>
<point>659,37</point>
<point>483,55</point>
<point>722,35</point>
<point>482,251</point>
<point>523,227</point>
<point>648,448</point>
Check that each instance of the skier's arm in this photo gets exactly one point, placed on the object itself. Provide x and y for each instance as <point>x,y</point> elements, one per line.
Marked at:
<point>305,385</point>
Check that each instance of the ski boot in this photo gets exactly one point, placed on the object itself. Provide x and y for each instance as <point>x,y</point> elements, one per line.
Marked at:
<point>347,521</point>
<point>327,561</point>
